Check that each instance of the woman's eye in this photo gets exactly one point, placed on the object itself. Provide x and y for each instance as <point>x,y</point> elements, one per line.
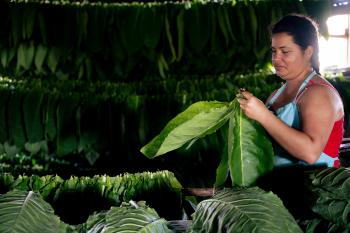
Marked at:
<point>285,52</point>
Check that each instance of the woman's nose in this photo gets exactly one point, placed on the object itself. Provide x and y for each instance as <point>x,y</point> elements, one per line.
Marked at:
<point>276,56</point>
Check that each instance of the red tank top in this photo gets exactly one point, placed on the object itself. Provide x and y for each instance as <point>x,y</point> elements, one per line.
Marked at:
<point>336,136</point>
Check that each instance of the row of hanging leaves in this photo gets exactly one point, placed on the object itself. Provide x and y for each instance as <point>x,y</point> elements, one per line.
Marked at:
<point>74,117</point>
<point>96,41</point>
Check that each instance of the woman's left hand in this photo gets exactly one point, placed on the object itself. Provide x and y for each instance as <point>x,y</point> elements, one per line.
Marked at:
<point>252,106</point>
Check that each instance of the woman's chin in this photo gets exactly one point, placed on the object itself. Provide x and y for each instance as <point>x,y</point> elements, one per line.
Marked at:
<point>280,72</point>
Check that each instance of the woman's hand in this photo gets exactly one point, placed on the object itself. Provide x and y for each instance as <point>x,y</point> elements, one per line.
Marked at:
<point>252,106</point>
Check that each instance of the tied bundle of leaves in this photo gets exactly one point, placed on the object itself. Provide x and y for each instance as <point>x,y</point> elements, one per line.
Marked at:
<point>248,153</point>
<point>245,210</point>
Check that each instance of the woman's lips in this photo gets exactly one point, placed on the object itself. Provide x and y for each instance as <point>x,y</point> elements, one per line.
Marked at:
<point>278,67</point>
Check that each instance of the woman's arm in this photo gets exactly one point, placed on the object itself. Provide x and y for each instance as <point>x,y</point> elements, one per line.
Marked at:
<point>318,109</point>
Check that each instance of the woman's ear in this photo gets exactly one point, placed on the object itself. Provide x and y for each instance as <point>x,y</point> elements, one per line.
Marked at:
<point>309,51</point>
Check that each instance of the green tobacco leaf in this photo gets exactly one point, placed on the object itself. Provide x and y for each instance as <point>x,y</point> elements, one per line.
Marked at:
<point>246,210</point>
<point>42,27</point>
<point>53,58</point>
<point>29,18</point>
<point>32,148</point>
<point>223,170</point>
<point>66,113</point>
<point>96,28</point>
<point>152,21</point>
<point>129,24</point>
<point>250,151</point>
<point>198,26</point>
<point>170,37</point>
<point>133,217</point>
<point>16,128</point>
<point>22,211</point>
<point>222,23</point>
<point>253,23</point>
<point>40,56</point>
<point>199,119</point>
<point>16,24</point>
<point>10,150</point>
<point>4,97</point>
<point>50,107</point>
<point>329,195</point>
<point>4,57</point>
<point>82,20</point>
<point>32,115</point>
<point>180,34</point>
<point>25,55</point>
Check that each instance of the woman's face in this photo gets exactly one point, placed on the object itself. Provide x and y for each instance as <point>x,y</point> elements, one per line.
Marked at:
<point>288,59</point>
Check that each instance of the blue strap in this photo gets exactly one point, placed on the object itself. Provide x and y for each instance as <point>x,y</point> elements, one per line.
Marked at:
<point>281,89</point>
<point>276,95</point>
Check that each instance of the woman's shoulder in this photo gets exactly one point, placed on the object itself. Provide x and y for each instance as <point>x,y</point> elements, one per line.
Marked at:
<point>320,81</point>
<point>320,93</point>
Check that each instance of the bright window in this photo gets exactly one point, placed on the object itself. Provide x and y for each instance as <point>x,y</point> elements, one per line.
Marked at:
<point>335,52</point>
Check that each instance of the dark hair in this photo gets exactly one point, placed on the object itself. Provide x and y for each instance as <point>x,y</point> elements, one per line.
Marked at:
<point>304,32</point>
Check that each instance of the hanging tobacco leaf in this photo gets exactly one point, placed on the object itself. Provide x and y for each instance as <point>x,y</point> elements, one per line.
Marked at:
<point>40,55</point>
<point>32,111</point>
<point>25,55</point>
<point>198,26</point>
<point>66,114</point>
<point>15,125</point>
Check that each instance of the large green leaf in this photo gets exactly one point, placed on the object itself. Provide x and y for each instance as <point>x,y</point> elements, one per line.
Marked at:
<point>27,212</point>
<point>223,170</point>
<point>199,119</point>
<point>134,217</point>
<point>250,151</point>
<point>329,195</point>
<point>247,210</point>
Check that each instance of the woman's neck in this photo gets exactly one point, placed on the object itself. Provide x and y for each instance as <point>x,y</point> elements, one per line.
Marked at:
<point>299,79</point>
<point>293,85</point>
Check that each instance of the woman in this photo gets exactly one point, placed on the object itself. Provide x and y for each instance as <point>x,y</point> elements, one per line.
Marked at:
<point>305,116</point>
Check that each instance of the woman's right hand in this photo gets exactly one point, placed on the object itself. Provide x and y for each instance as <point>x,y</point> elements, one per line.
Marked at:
<point>253,107</point>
